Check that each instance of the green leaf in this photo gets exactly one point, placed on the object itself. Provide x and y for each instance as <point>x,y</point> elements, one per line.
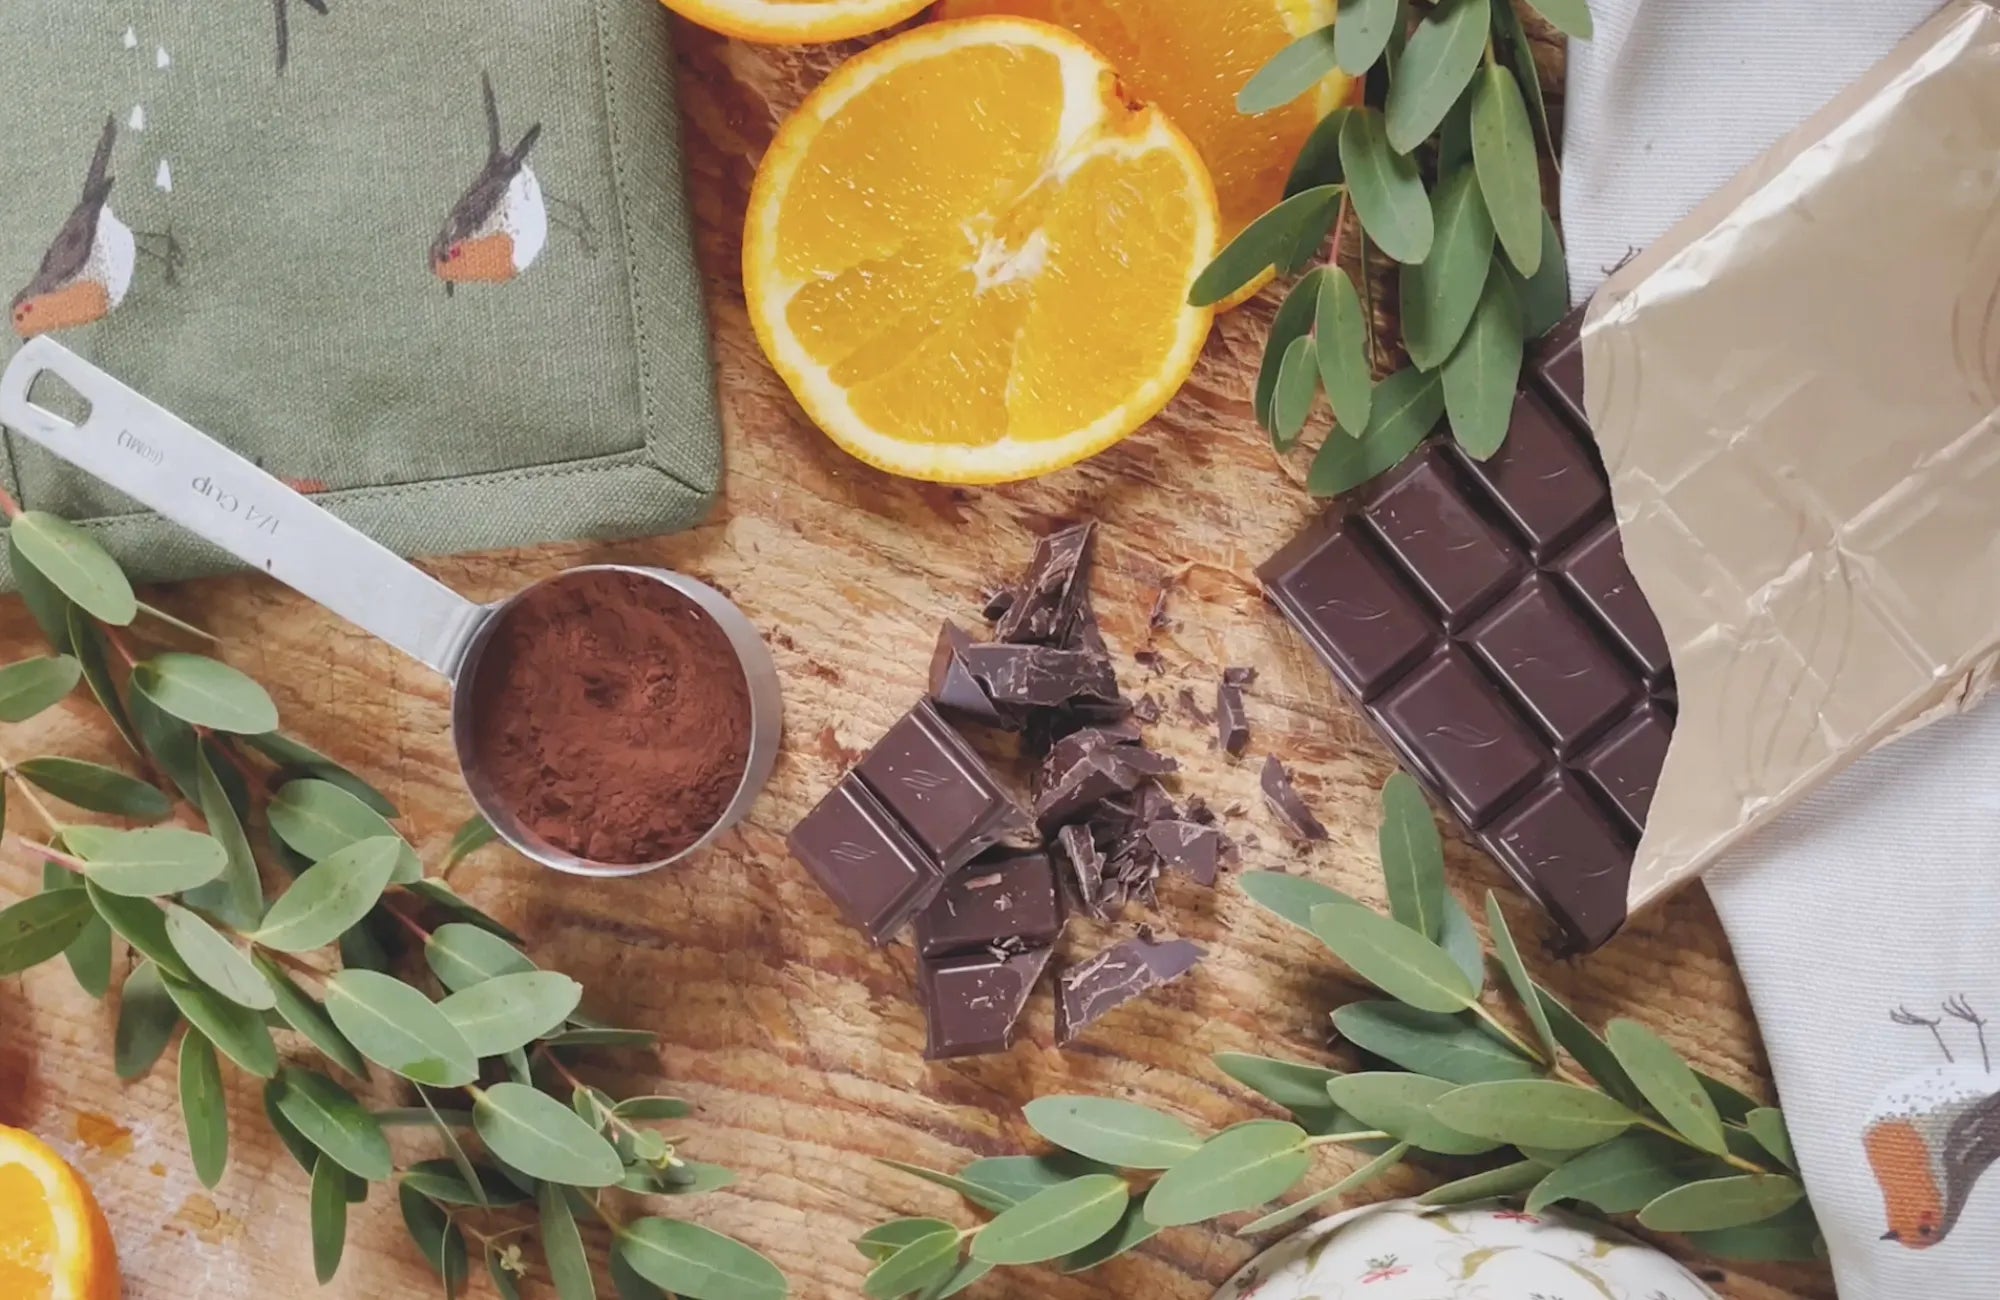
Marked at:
<point>1400,1105</point>
<point>1407,406</point>
<point>1340,345</point>
<point>205,692</point>
<point>399,1029</point>
<point>318,819</point>
<point>1454,138</point>
<point>484,1187</point>
<point>1119,1133</point>
<point>511,1011</point>
<point>1666,1081</point>
<point>986,1198</point>
<point>1386,188</point>
<point>1264,243</point>
<point>1354,1182</point>
<point>329,1218</point>
<point>1544,296</point>
<point>884,1240</point>
<point>1461,942</point>
<point>307,1017</point>
<point>1054,1221</point>
<point>1507,26</point>
<point>96,788</point>
<point>305,1153</point>
<point>48,606</point>
<point>1392,957</point>
<point>1589,1050</point>
<point>1318,161</point>
<point>1509,953</point>
<point>32,685</point>
<point>148,862</point>
<point>1292,897</point>
<point>295,759</point>
<point>87,644</point>
<point>1450,1047</point>
<point>1790,1236</point>
<point>562,1246</point>
<point>914,1266</point>
<point>172,744</point>
<point>1534,1112</point>
<point>1298,385</point>
<point>1503,1181</point>
<point>1436,67</point>
<point>1440,294</point>
<point>1619,1176</point>
<point>1719,1203</point>
<point>543,1138</point>
<point>89,954</point>
<point>1570,17</point>
<point>235,897</point>
<point>1293,320</point>
<point>630,1286</point>
<point>1019,1177</point>
<point>698,1263</point>
<point>437,1237</point>
<point>652,1108</point>
<point>441,896</point>
<point>236,1030</point>
<point>1733,1104</point>
<point>1510,178</point>
<point>1481,376</point>
<point>141,923</point>
<point>147,1018</point>
<point>41,926</point>
<point>1412,857</point>
<point>471,837</point>
<point>969,1271</point>
<point>75,565</point>
<point>1295,1086</point>
<point>331,898</point>
<point>204,1108</point>
<point>216,962</point>
<point>1291,72</point>
<point>1768,1127</point>
<point>329,1117</point>
<point>602,1038</point>
<point>1132,1230</point>
<point>1237,1169</point>
<point>1361,33</point>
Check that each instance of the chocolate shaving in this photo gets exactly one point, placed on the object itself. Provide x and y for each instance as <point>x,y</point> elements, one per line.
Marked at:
<point>1088,992</point>
<point>1151,660</point>
<point>1194,709</point>
<point>1048,597</point>
<point>1158,620</point>
<point>1098,775</point>
<point>1232,723</point>
<point>1085,877</point>
<point>1282,797</point>
<point>1147,709</point>
<point>1239,676</point>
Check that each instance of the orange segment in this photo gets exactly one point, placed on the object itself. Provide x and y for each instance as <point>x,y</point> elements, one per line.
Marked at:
<point>793,22</point>
<point>968,255</point>
<point>54,1243</point>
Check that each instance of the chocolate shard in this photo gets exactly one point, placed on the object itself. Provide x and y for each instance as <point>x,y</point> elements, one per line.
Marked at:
<point>972,1003</point>
<point>1047,599</point>
<point>1198,811</point>
<point>1155,804</point>
<point>1151,660</point>
<point>955,690</point>
<point>1088,992</point>
<point>1006,898</point>
<point>1067,752</point>
<point>1284,800</point>
<point>1192,707</point>
<point>939,788</point>
<point>1040,676</point>
<point>875,873</point>
<point>1097,776</point>
<point>1232,721</point>
<point>1147,709</point>
<point>1187,846</point>
<point>1239,677</point>
<point>1158,620</point>
<point>998,602</point>
<point>1085,863</point>
<point>1082,631</point>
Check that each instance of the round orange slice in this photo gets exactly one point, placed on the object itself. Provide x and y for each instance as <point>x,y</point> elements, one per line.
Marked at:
<point>796,22</point>
<point>54,1243</point>
<point>968,254</point>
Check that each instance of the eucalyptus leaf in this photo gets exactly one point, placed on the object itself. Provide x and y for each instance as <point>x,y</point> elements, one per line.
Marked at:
<point>330,898</point>
<point>1507,27</point>
<point>443,897</point>
<point>511,1011</point>
<point>471,837</point>
<point>47,605</point>
<point>236,1030</point>
<point>969,1271</point>
<point>1292,897</point>
<point>1437,65</point>
<point>235,897</point>
<point>1019,1177</point>
<point>1589,1050</point>
<point>1392,957</point>
<point>1412,857</point>
<point>147,1018</point>
<point>1354,1182</point>
<point>32,685</point>
<point>330,1118</point>
<point>307,1017</point>
<point>1732,1103</point>
<point>1454,1048</point>
<point>304,1153</point>
<point>95,788</point>
<point>318,819</point>
<point>1570,17</point>
<point>1298,385</point>
<point>1055,1221</point>
<point>296,759</point>
<point>1510,179</point>
<point>1294,319</point>
<point>1544,296</point>
<point>75,564</point>
<point>1503,1181</point>
<point>399,1029</point>
<point>1291,1084</point>
<point>483,1190</point>
<point>204,1108</point>
<point>652,1108</point>
<point>40,926</point>
<point>1790,1236</point>
<point>1718,1203</point>
<point>1534,1112</point>
<point>329,1218</point>
<point>1517,976</point>
<point>1361,33</point>
<point>1340,345</point>
<point>698,1263</point>
<point>89,954</point>
<point>205,692</point>
<point>1386,188</point>
<point>605,1037</point>
<point>628,1283</point>
<point>1291,72</point>
<point>1237,1169</point>
<point>1407,406</point>
<point>148,862</point>
<point>87,644</point>
<point>1132,1230</point>
<point>1454,139</point>
<point>1482,375</point>
<point>1461,942</point>
<point>216,962</point>
<point>1400,1105</point>
<point>1768,1127</point>
<point>1318,160</point>
<point>171,744</point>
<point>438,1238</point>
<point>986,1198</point>
<point>1440,294</point>
<point>1668,1084</point>
<point>543,1138</point>
<point>141,923</point>
<point>914,1266</point>
<point>1618,1176</point>
<point>562,1246</point>
<point>884,1240</point>
<point>1120,1133</point>
<point>1264,243</point>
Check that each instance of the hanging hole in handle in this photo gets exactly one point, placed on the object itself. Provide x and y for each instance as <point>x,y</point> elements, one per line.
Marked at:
<point>52,395</point>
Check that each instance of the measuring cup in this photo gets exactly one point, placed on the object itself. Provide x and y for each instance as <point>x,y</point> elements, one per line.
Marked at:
<point>161,461</point>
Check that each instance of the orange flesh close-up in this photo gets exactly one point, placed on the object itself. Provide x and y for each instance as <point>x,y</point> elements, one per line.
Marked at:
<point>27,1236</point>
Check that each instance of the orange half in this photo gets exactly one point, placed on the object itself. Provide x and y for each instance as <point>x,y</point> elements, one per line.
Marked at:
<point>54,1243</point>
<point>795,22</point>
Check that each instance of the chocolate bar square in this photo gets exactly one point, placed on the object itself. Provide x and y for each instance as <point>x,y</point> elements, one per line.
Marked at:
<point>865,861</point>
<point>939,788</point>
<point>1000,899</point>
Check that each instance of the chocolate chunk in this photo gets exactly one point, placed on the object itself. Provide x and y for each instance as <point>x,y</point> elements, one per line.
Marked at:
<point>1542,479</point>
<point>1147,709</point>
<point>1005,896</point>
<point>971,1004</point>
<point>1557,368</point>
<point>1192,707</point>
<point>953,687</point>
<point>1558,847</point>
<point>1151,660</point>
<point>1199,811</point>
<point>1335,588</point>
<point>1155,804</point>
<point>997,604</point>
<point>1048,596</point>
<point>1187,846</point>
<point>1570,681</point>
<point>1041,676</point>
<point>1082,631</point>
<point>1232,721</point>
<point>941,791</point>
<point>1094,777</point>
<point>865,861</point>
<point>1079,851</point>
<point>1064,754</point>
<point>1239,677</point>
<point>1090,991</point>
<point>1283,798</point>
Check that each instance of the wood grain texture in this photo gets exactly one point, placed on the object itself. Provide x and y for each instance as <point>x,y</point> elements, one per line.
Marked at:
<point>799,1043</point>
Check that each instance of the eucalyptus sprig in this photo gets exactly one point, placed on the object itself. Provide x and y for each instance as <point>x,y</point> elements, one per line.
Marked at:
<point>1550,1111</point>
<point>221,959</point>
<point>1434,164</point>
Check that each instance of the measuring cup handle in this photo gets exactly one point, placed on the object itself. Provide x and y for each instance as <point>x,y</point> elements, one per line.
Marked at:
<point>161,461</point>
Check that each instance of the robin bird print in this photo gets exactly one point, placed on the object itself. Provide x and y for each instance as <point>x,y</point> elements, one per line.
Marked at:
<point>88,270</point>
<point>500,225</point>
<point>1931,1136</point>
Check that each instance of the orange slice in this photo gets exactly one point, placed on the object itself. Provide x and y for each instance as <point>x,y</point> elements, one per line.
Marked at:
<point>54,1243</point>
<point>1190,58</point>
<point>795,22</point>
<point>968,255</point>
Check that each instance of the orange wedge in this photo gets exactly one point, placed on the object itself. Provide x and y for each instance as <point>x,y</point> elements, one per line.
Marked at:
<point>54,1243</point>
<point>1190,58</point>
<point>795,22</point>
<point>968,254</point>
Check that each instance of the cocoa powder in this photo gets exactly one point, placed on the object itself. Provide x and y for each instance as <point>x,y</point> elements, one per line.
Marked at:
<point>611,716</point>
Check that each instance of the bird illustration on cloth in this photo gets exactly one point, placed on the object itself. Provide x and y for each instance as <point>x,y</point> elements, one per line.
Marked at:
<point>501,224</point>
<point>1931,1136</point>
<point>88,270</point>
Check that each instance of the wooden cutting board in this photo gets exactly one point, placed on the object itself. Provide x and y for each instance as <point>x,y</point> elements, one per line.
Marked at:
<point>801,1045</point>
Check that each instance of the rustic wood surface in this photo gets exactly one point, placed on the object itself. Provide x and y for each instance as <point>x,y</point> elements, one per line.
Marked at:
<point>800,1044</point>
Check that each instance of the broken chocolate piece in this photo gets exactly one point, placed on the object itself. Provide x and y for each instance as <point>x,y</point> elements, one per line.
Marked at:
<point>865,861</point>
<point>1232,721</point>
<point>1065,753</point>
<point>1041,676</point>
<point>1086,868</point>
<point>1284,800</point>
<point>1155,804</point>
<point>1122,972</point>
<point>1006,898</point>
<point>925,773</point>
<point>1239,676</point>
<point>1185,846</point>
<point>971,1004</point>
<point>1199,812</point>
<point>1191,707</point>
<point>953,687</point>
<point>1049,596</point>
<point>998,602</point>
<point>1097,776</point>
<point>1147,709</point>
<point>1151,660</point>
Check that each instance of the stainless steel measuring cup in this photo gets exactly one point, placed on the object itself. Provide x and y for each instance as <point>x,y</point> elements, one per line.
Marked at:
<point>161,461</point>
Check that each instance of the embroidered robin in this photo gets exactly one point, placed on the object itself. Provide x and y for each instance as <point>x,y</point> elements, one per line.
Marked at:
<point>498,229</point>
<point>1932,1136</point>
<point>88,269</point>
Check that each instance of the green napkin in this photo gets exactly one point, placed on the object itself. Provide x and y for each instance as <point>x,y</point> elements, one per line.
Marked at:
<point>429,260</point>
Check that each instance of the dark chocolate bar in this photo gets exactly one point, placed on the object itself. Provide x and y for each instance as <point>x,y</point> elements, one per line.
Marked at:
<point>971,1004</point>
<point>1481,616</point>
<point>1004,898</point>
